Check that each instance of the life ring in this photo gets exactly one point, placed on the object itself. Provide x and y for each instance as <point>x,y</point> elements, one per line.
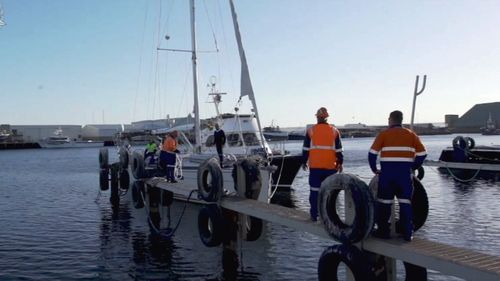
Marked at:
<point>104,179</point>
<point>459,142</point>
<point>364,205</point>
<point>167,198</point>
<point>210,182</point>
<point>470,142</point>
<point>123,152</point>
<point>124,180</point>
<point>352,257</point>
<point>103,158</point>
<point>138,170</point>
<point>253,178</point>
<point>253,228</point>
<point>211,225</point>
<point>137,194</point>
<point>419,203</point>
<point>420,173</point>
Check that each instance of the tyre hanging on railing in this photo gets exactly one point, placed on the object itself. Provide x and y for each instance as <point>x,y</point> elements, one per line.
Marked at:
<point>104,179</point>
<point>103,158</point>
<point>356,260</point>
<point>123,156</point>
<point>210,182</point>
<point>138,193</point>
<point>124,180</point>
<point>419,203</point>
<point>251,180</point>
<point>211,225</point>
<point>362,198</point>
<point>138,169</point>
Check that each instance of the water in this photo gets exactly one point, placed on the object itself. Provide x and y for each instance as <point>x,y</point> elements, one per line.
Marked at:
<point>53,228</point>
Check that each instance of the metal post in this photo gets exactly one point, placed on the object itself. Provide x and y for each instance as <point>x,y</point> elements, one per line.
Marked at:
<point>415,94</point>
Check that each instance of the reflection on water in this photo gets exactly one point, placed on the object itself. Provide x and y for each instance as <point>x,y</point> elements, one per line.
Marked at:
<point>52,228</point>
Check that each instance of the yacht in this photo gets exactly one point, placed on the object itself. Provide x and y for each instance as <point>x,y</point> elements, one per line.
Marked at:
<point>59,140</point>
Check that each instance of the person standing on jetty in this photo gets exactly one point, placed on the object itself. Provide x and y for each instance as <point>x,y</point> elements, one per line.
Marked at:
<point>322,149</point>
<point>168,154</point>
<point>401,152</point>
<point>151,148</point>
<point>220,141</point>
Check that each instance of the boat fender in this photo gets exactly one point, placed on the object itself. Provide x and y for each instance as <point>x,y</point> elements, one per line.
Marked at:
<point>470,142</point>
<point>103,158</point>
<point>104,179</point>
<point>124,180</point>
<point>137,197</point>
<point>123,157</point>
<point>167,198</point>
<point>253,228</point>
<point>356,260</point>
<point>253,179</point>
<point>210,182</point>
<point>364,206</point>
<point>138,170</point>
<point>459,142</point>
<point>420,173</point>
<point>419,203</point>
<point>211,225</point>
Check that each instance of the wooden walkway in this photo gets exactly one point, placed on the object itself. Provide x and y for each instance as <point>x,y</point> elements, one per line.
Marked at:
<point>449,260</point>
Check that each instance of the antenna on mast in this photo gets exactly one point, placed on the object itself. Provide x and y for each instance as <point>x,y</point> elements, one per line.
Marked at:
<point>216,95</point>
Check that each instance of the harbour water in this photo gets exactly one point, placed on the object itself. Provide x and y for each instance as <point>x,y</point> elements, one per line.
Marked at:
<point>53,225</point>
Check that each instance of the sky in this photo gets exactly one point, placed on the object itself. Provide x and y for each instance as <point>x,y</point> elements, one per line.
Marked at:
<point>94,61</point>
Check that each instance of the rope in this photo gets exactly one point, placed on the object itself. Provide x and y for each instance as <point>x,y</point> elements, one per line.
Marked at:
<point>167,233</point>
<point>279,177</point>
<point>461,180</point>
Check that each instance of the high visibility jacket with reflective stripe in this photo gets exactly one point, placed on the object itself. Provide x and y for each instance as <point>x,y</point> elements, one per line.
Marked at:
<point>398,144</point>
<point>324,146</point>
<point>151,147</point>
<point>169,145</point>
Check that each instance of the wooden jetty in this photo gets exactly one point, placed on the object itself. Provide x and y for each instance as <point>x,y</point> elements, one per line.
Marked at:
<point>449,260</point>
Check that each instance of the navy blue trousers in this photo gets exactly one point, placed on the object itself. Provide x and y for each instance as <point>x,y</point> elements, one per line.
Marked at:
<point>316,177</point>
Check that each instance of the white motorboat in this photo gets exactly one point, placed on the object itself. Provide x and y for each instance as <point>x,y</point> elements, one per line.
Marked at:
<point>59,140</point>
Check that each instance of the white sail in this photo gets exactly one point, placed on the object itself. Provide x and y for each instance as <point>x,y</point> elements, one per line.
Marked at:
<point>246,88</point>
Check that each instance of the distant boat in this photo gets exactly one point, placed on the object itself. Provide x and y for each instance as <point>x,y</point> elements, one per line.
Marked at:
<point>59,140</point>
<point>274,133</point>
<point>490,128</point>
<point>465,161</point>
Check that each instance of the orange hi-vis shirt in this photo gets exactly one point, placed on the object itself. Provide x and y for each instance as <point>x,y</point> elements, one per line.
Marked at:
<point>323,150</point>
<point>169,145</point>
<point>398,144</point>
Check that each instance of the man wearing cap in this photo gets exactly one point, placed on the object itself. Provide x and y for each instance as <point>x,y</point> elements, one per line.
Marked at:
<point>322,150</point>
<point>401,152</point>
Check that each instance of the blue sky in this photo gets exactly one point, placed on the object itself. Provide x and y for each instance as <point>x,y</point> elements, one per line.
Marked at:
<point>81,62</point>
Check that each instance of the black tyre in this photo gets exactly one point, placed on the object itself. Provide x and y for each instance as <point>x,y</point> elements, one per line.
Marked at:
<point>253,179</point>
<point>124,180</point>
<point>138,194</point>
<point>254,228</point>
<point>364,204</point>
<point>103,158</point>
<point>104,179</point>
<point>138,170</point>
<point>470,142</point>
<point>210,182</point>
<point>459,142</point>
<point>167,198</point>
<point>352,257</point>
<point>211,225</point>
<point>420,173</point>
<point>123,152</point>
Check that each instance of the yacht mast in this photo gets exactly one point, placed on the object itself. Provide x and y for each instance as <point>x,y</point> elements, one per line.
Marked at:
<point>197,144</point>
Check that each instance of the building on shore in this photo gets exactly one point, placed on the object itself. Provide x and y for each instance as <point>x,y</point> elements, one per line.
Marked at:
<point>475,118</point>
